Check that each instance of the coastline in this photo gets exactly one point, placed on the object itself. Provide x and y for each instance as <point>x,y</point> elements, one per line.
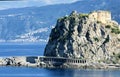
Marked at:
<point>32,61</point>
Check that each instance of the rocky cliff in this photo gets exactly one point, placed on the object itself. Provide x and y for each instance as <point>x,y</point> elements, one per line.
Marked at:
<point>82,36</point>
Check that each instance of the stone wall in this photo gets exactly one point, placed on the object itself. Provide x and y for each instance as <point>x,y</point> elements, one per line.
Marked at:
<point>101,16</point>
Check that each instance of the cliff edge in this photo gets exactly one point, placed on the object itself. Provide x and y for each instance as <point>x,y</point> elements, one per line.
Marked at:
<point>94,37</point>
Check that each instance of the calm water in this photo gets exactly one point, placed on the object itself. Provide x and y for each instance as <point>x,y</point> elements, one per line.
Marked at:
<point>33,49</point>
<point>21,49</point>
<point>40,72</point>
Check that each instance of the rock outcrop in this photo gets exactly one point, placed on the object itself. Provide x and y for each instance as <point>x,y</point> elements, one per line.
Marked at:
<point>85,36</point>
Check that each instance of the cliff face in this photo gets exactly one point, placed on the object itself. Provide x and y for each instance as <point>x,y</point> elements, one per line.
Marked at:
<point>78,36</point>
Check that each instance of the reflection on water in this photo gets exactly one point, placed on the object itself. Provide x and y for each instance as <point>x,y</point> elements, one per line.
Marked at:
<point>83,73</point>
<point>40,72</point>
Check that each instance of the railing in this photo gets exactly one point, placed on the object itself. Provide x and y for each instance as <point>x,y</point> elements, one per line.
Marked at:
<point>61,60</point>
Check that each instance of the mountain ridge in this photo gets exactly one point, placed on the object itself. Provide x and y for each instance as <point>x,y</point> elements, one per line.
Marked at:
<point>20,21</point>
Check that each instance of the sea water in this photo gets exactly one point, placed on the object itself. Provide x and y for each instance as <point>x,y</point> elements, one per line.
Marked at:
<point>42,72</point>
<point>37,49</point>
<point>22,49</point>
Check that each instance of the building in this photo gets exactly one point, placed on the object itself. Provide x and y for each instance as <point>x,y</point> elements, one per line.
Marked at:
<point>100,16</point>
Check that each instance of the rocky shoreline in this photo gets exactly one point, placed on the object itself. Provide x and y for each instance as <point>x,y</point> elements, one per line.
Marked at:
<point>22,61</point>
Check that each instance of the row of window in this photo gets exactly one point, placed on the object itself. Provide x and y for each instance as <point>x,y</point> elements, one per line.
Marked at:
<point>63,60</point>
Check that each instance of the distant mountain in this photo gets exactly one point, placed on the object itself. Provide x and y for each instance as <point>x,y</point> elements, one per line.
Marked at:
<point>14,23</point>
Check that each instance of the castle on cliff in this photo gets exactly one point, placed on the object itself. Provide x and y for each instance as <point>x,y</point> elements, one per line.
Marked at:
<point>103,17</point>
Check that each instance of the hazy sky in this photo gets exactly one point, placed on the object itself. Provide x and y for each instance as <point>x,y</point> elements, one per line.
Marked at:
<point>28,3</point>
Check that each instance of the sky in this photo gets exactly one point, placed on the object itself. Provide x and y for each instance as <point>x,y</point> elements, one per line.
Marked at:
<point>29,3</point>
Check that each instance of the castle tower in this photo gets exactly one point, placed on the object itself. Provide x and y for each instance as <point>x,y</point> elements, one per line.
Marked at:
<point>101,16</point>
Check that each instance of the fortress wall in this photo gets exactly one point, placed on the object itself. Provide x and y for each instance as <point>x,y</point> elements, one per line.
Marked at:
<point>102,16</point>
<point>93,16</point>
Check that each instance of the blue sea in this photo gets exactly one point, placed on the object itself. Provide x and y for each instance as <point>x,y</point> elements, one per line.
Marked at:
<point>22,49</point>
<point>37,49</point>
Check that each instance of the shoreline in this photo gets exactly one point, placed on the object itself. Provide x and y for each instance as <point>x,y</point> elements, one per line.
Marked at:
<point>32,61</point>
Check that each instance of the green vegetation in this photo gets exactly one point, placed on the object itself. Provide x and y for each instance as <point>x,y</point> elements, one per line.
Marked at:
<point>98,21</point>
<point>60,19</point>
<point>83,15</point>
<point>55,30</point>
<point>115,30</point>
<point>113,53</point>
<point>96,39</point>
<point>108,26</point>
<point>64,18</point>
<point>119,40</point>
<point>72,18</point>
<point>116,58</point>
<point>81,57</point>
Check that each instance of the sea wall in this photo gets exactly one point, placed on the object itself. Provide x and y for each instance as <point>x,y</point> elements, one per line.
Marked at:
<point>34,61</point>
